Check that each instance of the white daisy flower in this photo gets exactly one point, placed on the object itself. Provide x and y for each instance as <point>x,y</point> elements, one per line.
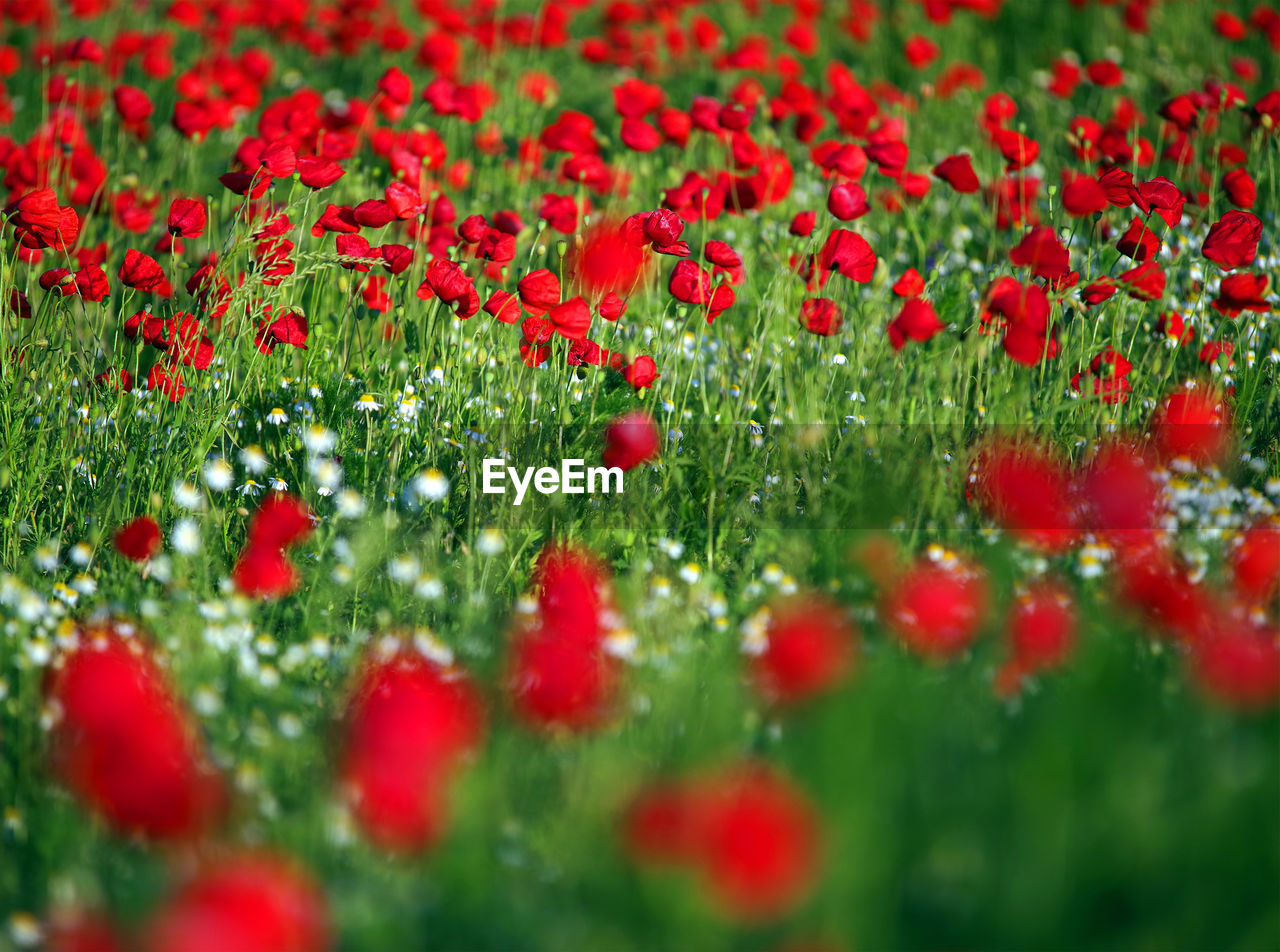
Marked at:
<point>46,556</point>
<point>187,495</point>
<point>254,460</point>
<point>218,475</point>
<point>277,416</point>
<point>431,484</point>
<point>490,541</point>
<point>429,588</point>
<point>366,403</point>
<point>319,440</point>
<point>404,568</point>
<point>185,537</point>
<point>350,504</point>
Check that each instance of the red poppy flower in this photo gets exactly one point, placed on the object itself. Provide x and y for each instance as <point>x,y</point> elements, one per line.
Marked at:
<point>1042,626</point>
<point>631,440</point>
<point>910,285</point>
<point>504,306</point>
<point>115,378</point>
<point>250,903</point>
<point>90,283</point>
<point>917,320</point>
<point>847,201</point>
<point>316,172</point>
<point>1018,150</point>
<point>848,254</point>
<point>689,283</point>
<point>123,744</point>
<point>641,372</point>
<point>446,280</point>
<point>803,223</point>
<point>281,521</point>
<point>761,844</point>
<point>354,252</point>
<point>1028,490</point>
<point>665,823</point>
<point>572,132</point>
<point>810,647</point>
<point>611,307</point>
<point>407,726</point>
<point>1082,195</point>
<point>539,291</point>
<point>1232,241</point>
<point>396,258</point>
<point>396,86</point>
<point>936,609</point>
<point>1066,77</point>
<point>336,218</point>
<point>1119,493</point>
<point>920,51</point>
<point>1042,252</point>
<point>889,155</point>
<point>37,210</point>
<point>558,672</point>
<point>1214,349</point>
<point>1146,282</point>
<point>168,380</point>
<point>249,184</point>
<point>746,829</point>
<point>1195,424</point>
<point>143,273</point>
<point>1162,197</point>
<point>634,98</point>
<point>1104,73</point>
<point>138,540</point>
<point>1238,664</point>
<point>607,262</point>
<point>265,573</point>
<point>187,218</point>
<point>1241,292</point>
<point>572,319</point>
<point>373,213</point>
<point>1139,242</point>
<point>1240,188</point>
<point>821,316</point>
<point>1109,371</point>
<point>661,229</point>
<point>1255,562</point>
<point>639,136</point>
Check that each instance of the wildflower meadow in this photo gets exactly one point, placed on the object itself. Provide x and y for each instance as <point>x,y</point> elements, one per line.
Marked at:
<point>763,475</point>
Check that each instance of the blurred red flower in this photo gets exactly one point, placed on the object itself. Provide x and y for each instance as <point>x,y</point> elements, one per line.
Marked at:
<point>122,742</point>
<point>138,540</point>
<point>810,648</point>
<point>249,903</point>
<point>631,440</point>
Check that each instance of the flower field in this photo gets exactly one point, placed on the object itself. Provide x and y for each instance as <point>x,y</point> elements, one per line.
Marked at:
<point>920,585</point>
